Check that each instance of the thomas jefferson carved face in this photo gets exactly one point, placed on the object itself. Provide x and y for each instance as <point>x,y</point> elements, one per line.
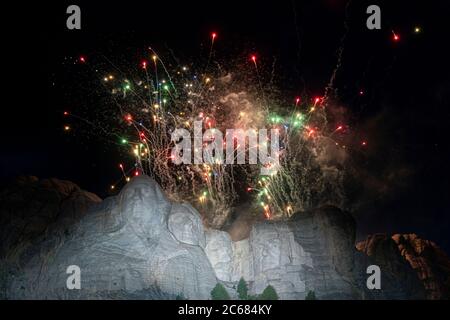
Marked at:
<point>186,225</point>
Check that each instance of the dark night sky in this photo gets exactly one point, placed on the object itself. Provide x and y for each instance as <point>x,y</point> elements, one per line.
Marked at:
<point>404,112</point>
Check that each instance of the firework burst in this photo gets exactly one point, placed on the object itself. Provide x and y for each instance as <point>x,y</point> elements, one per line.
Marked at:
<point>145,106</point>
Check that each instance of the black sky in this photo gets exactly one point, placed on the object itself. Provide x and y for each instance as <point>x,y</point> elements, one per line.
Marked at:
<point>404,112</point>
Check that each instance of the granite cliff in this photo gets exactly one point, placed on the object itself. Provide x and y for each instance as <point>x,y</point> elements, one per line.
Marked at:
<point>140,245</point>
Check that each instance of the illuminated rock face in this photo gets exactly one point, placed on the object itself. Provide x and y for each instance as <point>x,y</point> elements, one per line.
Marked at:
<point>313,251</point>
<point>186,225</point>
<point>269,256</point>
<point>294,257</point>
<point>278,260</point>
<point>126,245</point>
<point>219,250</point>
<point>140,245</point>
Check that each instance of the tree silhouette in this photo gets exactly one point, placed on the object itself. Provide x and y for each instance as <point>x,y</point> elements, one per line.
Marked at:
<point>242,289</point>
<point>219,293</point>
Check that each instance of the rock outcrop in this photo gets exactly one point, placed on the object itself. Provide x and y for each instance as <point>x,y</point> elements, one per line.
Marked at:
<point>28,206</point>
<point>140,245</point>
<point>430,263</point>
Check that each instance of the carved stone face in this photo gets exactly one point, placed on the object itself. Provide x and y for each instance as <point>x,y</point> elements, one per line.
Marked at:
<point>220,253</point>
<point>186,225</point>
<point>271,253</point>
<point>266,252</point>
<point>267,247</point>
<point>145,206</point>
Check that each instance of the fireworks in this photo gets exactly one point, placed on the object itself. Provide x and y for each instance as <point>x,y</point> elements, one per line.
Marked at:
<point>145,108</point>
<point>395,36</point>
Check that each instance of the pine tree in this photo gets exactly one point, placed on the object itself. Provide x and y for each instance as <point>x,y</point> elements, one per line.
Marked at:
<point>269,293</point>
<point>180,296</point>
<point>242,289</point>
<point>311,295</point>
<point>219,293</point>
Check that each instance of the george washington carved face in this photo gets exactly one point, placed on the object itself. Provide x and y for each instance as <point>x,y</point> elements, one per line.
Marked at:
<point>144,204</point>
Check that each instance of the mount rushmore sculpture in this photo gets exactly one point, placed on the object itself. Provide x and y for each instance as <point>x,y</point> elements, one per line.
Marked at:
<point>141,245</point>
